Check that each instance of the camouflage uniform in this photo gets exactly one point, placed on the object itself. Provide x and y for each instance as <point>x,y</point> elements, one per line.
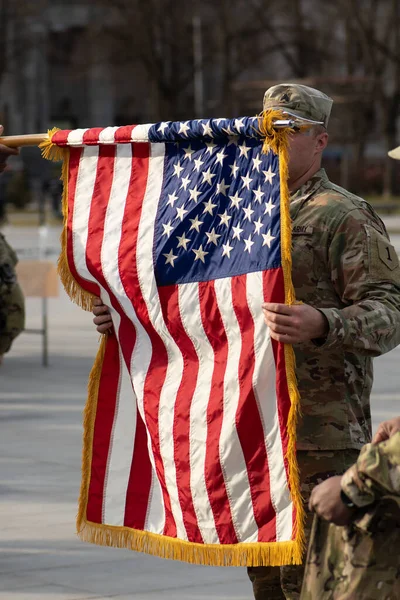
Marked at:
<point>361,561</point>
<point>344,265</point>
<point>12,309</point>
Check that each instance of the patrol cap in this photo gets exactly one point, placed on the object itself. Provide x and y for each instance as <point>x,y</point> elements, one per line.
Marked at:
<point>299,101</point>
<point>395,153</point>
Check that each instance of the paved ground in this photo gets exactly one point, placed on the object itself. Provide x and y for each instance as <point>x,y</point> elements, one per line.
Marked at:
<point>40,445</point>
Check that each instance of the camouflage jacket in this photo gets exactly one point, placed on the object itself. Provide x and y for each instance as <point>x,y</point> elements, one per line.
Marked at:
<point>362,560</point>
<point>344,265</point>
<point>12,306</point>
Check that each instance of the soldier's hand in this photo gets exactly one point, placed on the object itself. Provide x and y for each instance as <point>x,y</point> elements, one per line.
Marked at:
<point>386,430</point>
<point>294,324</point>
<point>102,318</point>
<point>326,502</point>
<point>5,152</point>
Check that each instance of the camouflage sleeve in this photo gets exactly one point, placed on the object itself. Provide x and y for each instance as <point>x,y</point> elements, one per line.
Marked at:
<point>12,304</point>
<point>375,474</point>
<point>365,272</point>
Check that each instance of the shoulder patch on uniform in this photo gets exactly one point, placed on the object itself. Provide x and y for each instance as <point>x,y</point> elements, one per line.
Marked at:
<point>387,254</point>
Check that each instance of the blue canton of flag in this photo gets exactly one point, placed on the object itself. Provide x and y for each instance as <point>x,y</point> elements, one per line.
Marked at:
<point>219,209</point>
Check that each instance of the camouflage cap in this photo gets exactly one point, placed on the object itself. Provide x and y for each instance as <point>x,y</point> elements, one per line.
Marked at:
<point>395,153</point>
<point>299,101</point>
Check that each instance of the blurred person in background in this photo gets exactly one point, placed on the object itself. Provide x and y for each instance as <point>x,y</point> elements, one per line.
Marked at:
<point>12,304</point>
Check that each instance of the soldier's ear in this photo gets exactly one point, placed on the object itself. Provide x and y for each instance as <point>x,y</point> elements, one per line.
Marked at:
<point>321,141</point>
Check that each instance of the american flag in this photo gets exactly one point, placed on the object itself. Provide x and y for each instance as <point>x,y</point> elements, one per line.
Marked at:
<point>177,227</point>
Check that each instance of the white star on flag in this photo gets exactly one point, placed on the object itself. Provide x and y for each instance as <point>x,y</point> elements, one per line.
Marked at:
<point>207,129</point>
<point>196,224</point>
<point>188,153</point>
<point>220,157</point>
<point>246,181</point>
<point>210,147</point>
<point>248,211</point>
<point>184,128</point>
<point>193,193</point>
<point>212,237</point>
<point>228,131</point>
<point>236,232</point>
<point>269,207</point>
<point>227,249</point>
<point>257,226</point>
<point>256,163</point>
<point>244,150</point>
<point>207,175</point>
<point>185,182</point>
<point>177,169</point>
<point>258,194</point>
<point>163,127</point>
<point>225,218</point>
<point>172,198</point>
<point>222,187</point>
<point>269,175</point>
<point>235,200</point>
<point>200,253</point>
<point>248,244</point>
<point>167,228</point>
<point>234,169</point>
<point>267,239</point>
<point>183,241</point>
<point>239,124</point>
<point>198,162</point>
<point>180,212</point>
<point>170,258</point>
<point>209,207</point>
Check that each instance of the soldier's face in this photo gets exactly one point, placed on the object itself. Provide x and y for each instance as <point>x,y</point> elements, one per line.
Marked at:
<point>305,152</point>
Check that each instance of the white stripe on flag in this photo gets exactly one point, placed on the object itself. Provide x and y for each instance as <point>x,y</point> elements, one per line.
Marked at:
<point>75,137</point>
<point>264,385</point>
<point>151,298</point>
<point>123,440</point>
<point>192,322</point>
<point>232,459</point>
<point>120,451</point>
<point>124,426</point>
<point>107,135</point>
<point>140,133</point>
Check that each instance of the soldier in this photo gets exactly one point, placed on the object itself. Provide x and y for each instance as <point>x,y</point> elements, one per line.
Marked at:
<point>354,550</point>
<point>347,276</point>
<point>12,307</point>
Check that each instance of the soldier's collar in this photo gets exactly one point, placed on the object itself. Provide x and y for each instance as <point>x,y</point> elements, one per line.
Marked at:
<point>311,186</point>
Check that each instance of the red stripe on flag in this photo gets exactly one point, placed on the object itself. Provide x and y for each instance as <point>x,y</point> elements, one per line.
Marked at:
<point>139,485</point>
<point>217,494</point>
<point>248,422</point>
<point>158,363</point>
<point>73,169</point>
<point>124,134</point>
<point>91,136</point>
<point>60,138</point>
<point>274,291</point>
<point>106,402</point>
<point>169,298</point>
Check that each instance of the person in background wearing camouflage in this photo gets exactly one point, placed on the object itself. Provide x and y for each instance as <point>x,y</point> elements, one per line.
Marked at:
<point>355,539</point>
<point>12,306</point>
<point>347,276</point>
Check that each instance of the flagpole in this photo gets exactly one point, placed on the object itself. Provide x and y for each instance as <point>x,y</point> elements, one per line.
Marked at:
<point>16,141</point>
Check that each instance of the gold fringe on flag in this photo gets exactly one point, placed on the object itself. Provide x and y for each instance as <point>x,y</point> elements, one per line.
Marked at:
<point>239,555</point>
<point>55,153</point>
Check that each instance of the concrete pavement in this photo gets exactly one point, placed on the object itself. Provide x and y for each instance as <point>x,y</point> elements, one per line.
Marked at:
<point>40,447</point>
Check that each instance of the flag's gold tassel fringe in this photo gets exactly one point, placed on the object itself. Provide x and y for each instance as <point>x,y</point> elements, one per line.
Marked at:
<point>218,555</point>
<point>89,417</point>
<point>56,153</point>
<point>278,142</point>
